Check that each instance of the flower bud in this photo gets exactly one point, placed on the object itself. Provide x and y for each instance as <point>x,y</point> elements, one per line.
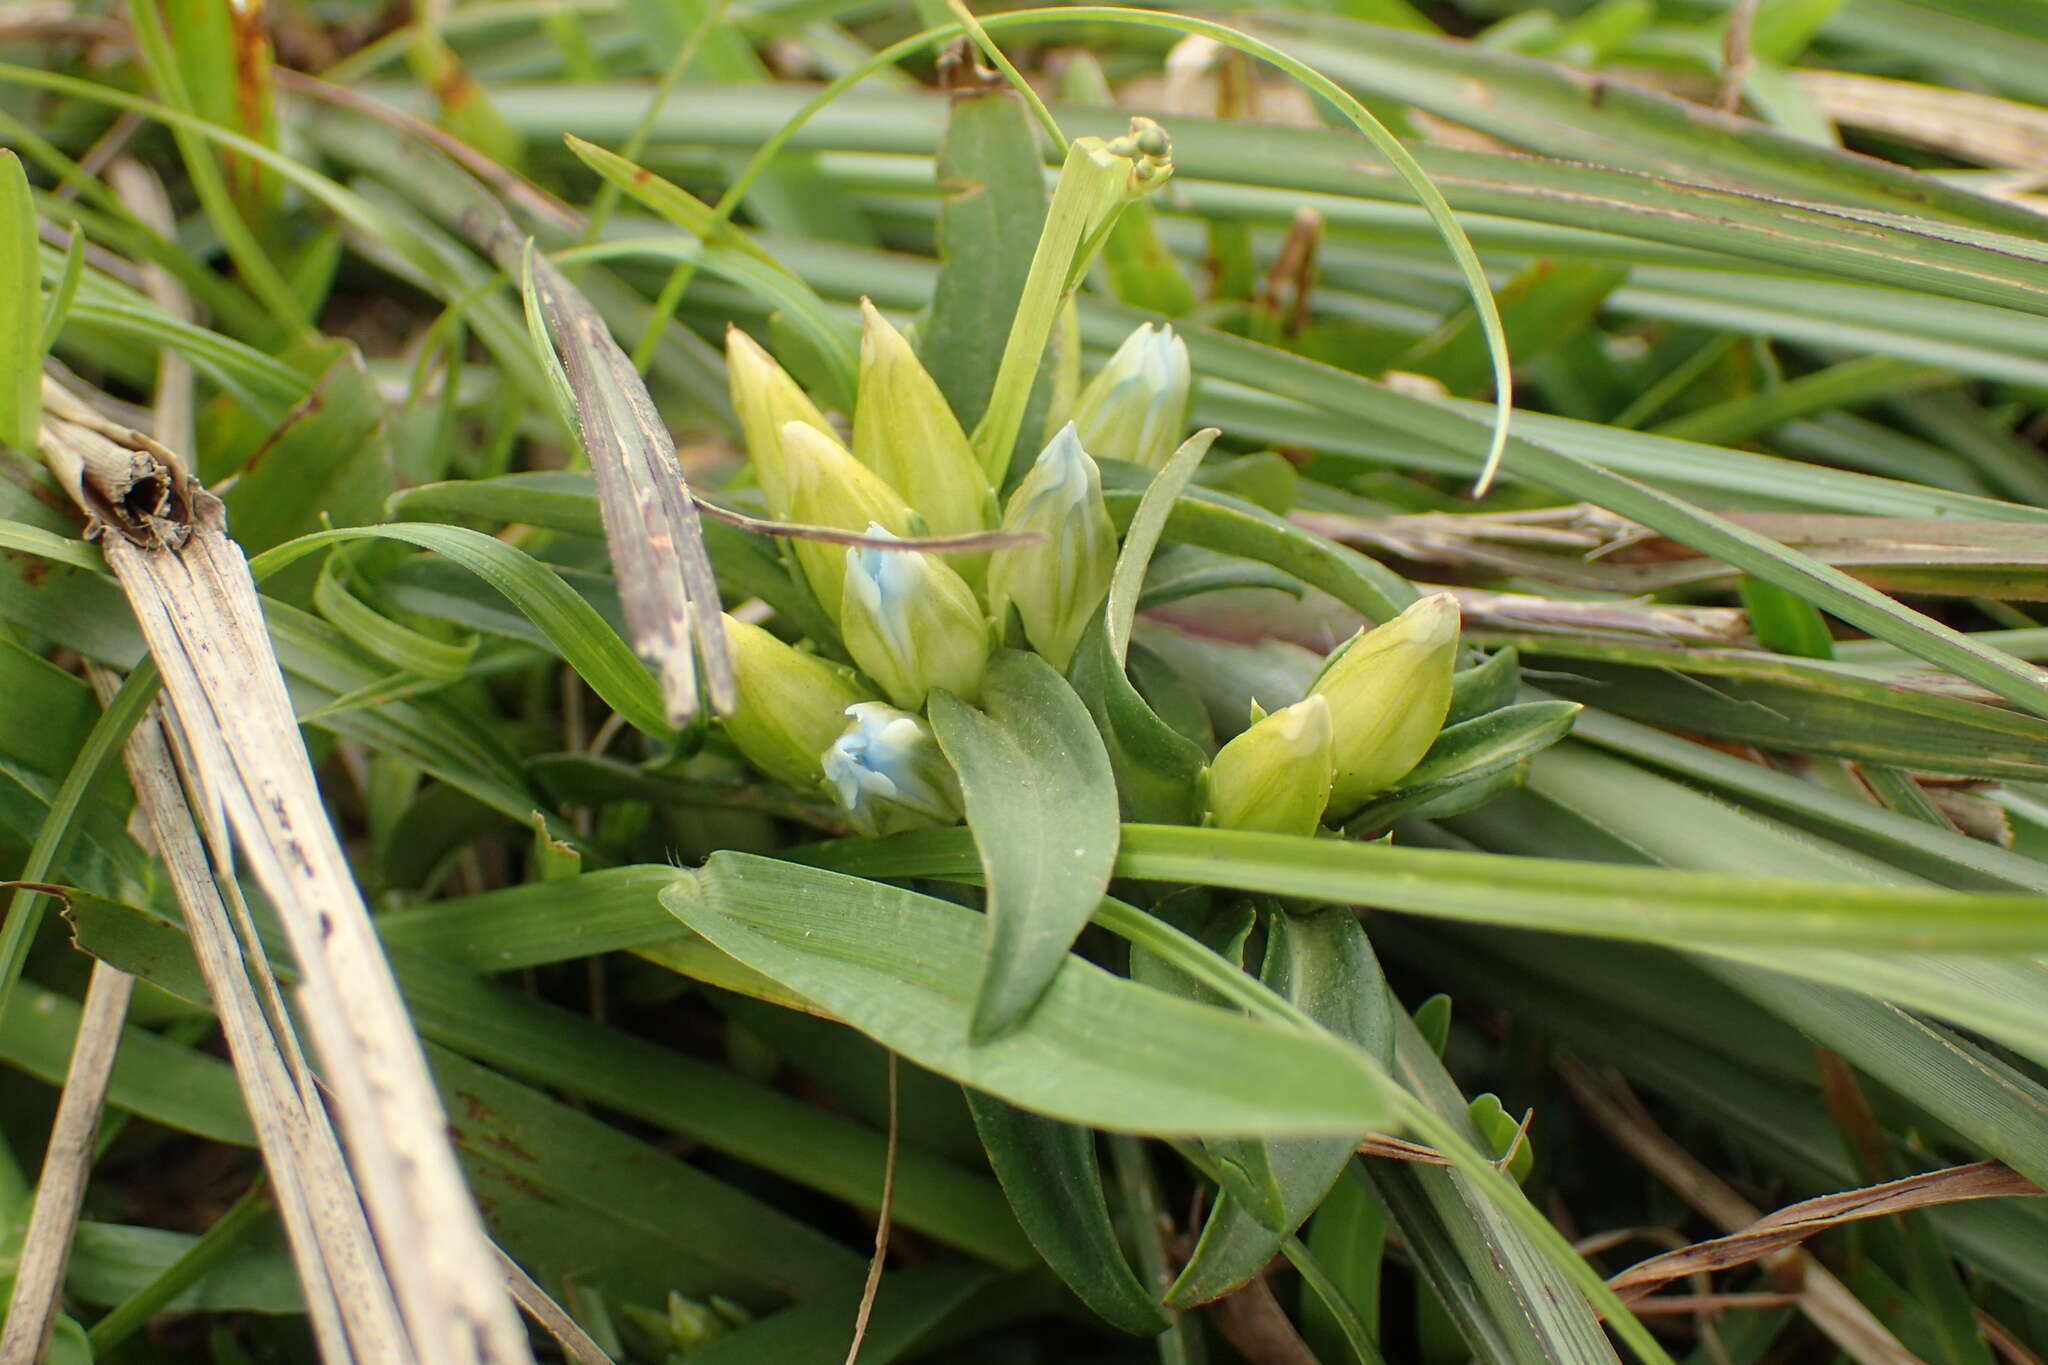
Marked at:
<point>1151,154</point>
<point>826,486</point>
<point>1136,406</point>
<point>912,624</point>
<point>765,397</point>
<point>905,432</point>
<point>889,774</point>
<point>1276,776</point>
<point>1057,584</point>
<point>1388,690</point>
<point>791,705</point>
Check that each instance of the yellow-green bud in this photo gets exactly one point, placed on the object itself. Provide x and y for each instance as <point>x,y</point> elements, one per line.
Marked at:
<point>1136,406</point>
<point>912,624</point>
<point>826,486</point>
<point>889,773</point>
<point>765,397</point>
<point>1276,776</point>
<point>905,432</point>
<point>1389,689</point>
<point>1058,583</point>
<point>792,705</point>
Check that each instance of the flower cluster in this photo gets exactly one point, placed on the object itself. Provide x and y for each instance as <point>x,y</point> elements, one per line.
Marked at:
<point>912,620</point>
<point>1370,716</point>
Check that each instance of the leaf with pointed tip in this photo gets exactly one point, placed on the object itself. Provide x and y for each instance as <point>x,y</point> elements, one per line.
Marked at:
<point>1098,1050</point>
<point>1041,801</point>
<point>1050,1172</point>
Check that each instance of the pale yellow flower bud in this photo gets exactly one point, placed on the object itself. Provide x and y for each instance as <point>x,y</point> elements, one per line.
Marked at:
<point>765,397</point>
<point>825,486</point>
<point>905,432</point>
<point>1059,583</point>
<point>1276,776</point>
<point>792,705</point>
<point>1388,690</point>
<point>912,624</point>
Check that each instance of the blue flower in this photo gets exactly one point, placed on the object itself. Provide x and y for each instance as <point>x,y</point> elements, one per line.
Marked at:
<point>888,773</point>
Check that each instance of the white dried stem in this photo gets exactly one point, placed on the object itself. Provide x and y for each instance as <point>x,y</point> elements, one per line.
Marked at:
<point>353,1313</point>
<point>194,599</point>
<point>67,1163</point>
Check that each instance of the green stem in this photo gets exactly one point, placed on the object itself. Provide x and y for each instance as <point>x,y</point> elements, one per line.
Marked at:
<point>1090,190</point>
<point>200,1259</point>
<point>101,749</point>
<point>636,141</point>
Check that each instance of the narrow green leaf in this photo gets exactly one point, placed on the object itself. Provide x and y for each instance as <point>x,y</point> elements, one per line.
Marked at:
<point>398,645</point>
<point>993,174</point>
<point>1098,1050</point>
<point>58,306</point>
<point>1051,1174</point>
<point>1322,964</point>
<point>569,1195</point>
<point>21,314</point>
<point>1560,895</point>
<point>1041,801</point>
<point>571,624</point>
<point>1141,536</point>
<point>1217,521</point>
<point>1348,1238</point>
<point>1785,624</point>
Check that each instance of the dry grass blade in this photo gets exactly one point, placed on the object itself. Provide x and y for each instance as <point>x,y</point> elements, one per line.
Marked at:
<point>873,1284</point>
<point>1795,1223</point>
<point>353,1310</point>
<point>1981,128</point>
<point>650,521</point>
<point>67,1162</point>
<point>552,1317</point>
<point>189,586</point>
<point>1825,1300</point>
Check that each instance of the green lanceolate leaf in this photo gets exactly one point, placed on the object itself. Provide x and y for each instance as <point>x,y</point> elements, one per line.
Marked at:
<point>1041,800</point>
<point>1098,1050</point>
<point>571,624</point>
<point>1467,757</point>
<point>1322,964</point>
<point>21,310</point>
<point>990,165</point>
<point>1157,768</point>
<point>1051,1174</point>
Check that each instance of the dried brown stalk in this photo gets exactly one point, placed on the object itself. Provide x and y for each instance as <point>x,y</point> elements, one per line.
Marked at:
<point>1252,1320</point>
<point>1825,1300</point>
<point>38,1292</point>
<point>349,1301</point>
<point>189,586</point>
<point>1793,1224</point>
<point>1981,128</point>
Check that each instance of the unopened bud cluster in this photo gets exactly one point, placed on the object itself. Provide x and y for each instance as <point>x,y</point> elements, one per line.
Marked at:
<point>1368,719</point>
<point>914,621</point>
